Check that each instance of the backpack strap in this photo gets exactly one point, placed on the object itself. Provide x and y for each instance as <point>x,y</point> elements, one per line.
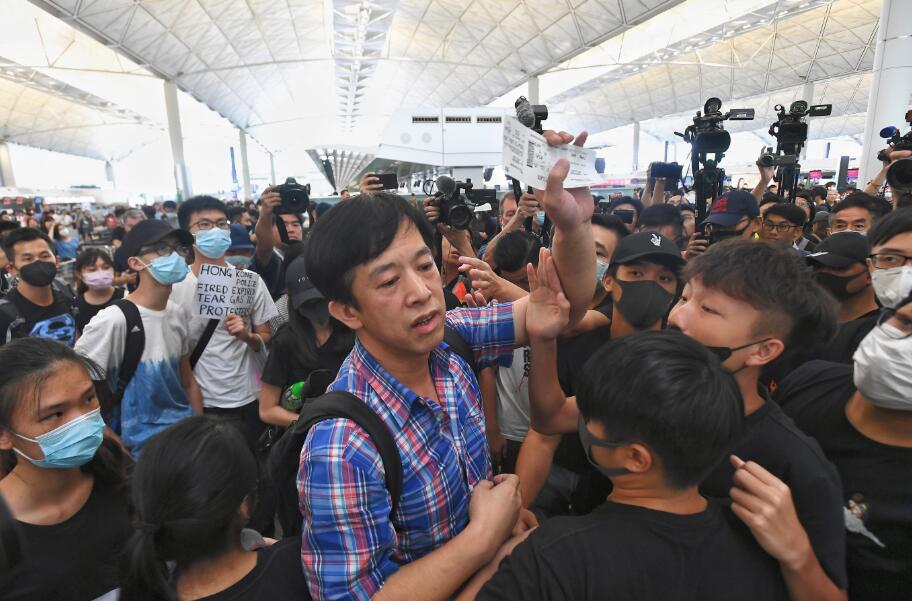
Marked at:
<point>134,344</point>
<point>203,342</point>
<point>10,313</point>
<point>285,456</point>
<point>459,346</point>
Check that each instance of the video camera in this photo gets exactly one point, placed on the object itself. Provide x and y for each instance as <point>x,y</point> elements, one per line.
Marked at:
<point>456,210</point>
<point>791,132</point>
<point>295,197</point>
<point>899,175</point>
<point>707,135</point>
<point>668,171</point>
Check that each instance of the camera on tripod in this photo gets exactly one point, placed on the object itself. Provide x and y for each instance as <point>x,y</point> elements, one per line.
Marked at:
<point>456,209</point>
<point>295,197</point>
<point>707,135</point>
<point>791,132</point>
<point>899,175</point>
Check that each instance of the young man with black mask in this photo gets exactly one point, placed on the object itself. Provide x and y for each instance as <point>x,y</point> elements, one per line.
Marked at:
<point>371,257</point>
<point>840,266</point>
<point>861,414</point>
<point>735,214</point>
<point>643,281</point>
<point>656,435</point>
<point>36,307</point>
<point>749,317</point>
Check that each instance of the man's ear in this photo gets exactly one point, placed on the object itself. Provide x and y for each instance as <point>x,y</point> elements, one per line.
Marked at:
<point>608,283</point>
<point>638,458</point>
<point>135,264</point>
<point>347,314</point>
<point>765,352</point>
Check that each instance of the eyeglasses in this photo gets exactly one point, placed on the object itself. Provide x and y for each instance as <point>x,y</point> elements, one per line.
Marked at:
<point>163,249</point>
<point>779,227</point>
<point>903,324</point>
<point>205,224</point>
<point>888,260</point>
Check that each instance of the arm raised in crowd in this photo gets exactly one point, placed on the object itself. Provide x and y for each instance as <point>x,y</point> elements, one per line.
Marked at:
<point>264,241</point>
<point>491,285</point>
<point>766,176</point>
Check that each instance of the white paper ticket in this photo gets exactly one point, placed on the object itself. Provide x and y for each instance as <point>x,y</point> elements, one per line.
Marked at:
<point>528,157</point>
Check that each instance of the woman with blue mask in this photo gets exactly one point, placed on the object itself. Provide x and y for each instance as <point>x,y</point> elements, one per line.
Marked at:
<point>63,478</point>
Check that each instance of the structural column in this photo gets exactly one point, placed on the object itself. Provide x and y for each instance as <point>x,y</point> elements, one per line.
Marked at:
<point>181,177</point>
<point>6,167</point>
<point>533,89</point>
<point>272,179</point>
<point>891,84</point>
<point>109,173</point>
<point>636,146</point>
<point>245,167</point>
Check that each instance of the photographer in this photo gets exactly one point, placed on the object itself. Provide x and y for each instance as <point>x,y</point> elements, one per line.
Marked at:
<point>511,220</point>
<point>874,186</point>
<point>270,248</point>
<point>734,215</point>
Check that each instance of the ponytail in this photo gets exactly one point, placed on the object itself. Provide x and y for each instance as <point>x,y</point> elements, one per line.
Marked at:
<point>146,576</point>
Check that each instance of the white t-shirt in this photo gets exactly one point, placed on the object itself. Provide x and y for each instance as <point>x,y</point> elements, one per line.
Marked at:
<point>513,396</point>
<point>225,371</point>
<point>155,397</point>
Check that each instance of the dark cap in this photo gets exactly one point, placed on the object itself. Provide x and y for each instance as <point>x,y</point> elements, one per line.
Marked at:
<point>821,215</point>
<point>647,245</point>
<point>731,207</point>
<point>240,238</point>
<point>300,287</point>
<point>841,250</point>
<point>149,232</point>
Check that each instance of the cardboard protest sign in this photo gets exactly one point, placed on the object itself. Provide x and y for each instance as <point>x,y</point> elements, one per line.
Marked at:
<point>223,290</point>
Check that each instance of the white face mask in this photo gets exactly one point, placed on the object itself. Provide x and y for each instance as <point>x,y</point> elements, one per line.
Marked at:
<point>892,285</point>
<point>883,368</point>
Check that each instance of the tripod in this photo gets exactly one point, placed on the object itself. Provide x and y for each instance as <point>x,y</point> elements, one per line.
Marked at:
<point>708,180</point>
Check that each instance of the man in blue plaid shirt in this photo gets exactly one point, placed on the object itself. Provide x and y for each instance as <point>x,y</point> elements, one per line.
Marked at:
<point>371,257</point>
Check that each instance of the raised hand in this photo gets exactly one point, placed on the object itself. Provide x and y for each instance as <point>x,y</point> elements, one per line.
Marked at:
<point>567,208</point>
<point>549,310</point>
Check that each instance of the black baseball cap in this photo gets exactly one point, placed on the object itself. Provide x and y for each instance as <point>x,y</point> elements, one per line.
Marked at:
<point>841,250</point>
<point>647,245</point>
<point>731,207</point>
<point>300,287</point>
<point>149,232</point>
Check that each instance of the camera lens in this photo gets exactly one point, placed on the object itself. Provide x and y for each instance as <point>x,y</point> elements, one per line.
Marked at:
<point>460,217</point>
<point>899,175</point>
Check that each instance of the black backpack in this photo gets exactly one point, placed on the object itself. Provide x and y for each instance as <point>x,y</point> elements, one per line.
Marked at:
<point>284,456</point>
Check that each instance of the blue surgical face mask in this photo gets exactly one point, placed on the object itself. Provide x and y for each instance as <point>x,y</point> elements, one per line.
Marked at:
<point>601,268</point>
<point>239,261</point>
<point>540,218</point>
<point>71,445</point>
<point>169,270</point>
<point>213,242</point>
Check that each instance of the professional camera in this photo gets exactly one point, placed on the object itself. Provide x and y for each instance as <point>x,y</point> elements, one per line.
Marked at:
<point>899,175</point>
<point>295,197</point>
<point>530,115</point>
<point>791,132</point>
<point>456,210</point>
<point>707,135</point>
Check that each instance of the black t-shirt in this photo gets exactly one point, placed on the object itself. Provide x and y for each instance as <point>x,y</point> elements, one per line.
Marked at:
<point>286,366</point>
<point>54,321</point>
<point>772,440</point>
<point>277,576</point>
<point>876,481</point>
<point>85,311</point>
<point>625,552</point>
<point>848,337</point>
<point>118,233</point>
<point>77,560</point>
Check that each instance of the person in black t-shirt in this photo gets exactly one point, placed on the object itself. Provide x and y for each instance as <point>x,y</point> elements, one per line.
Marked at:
<point>840,266</point>
<point>270,248</point>
<point>37,307</point>
<point>310,341</point>
<point>193,490</point>
<point>63,480</point>
<point>643,280</point>
<point>746,301</point>
<point>95,289</point>
<point>656,436</point>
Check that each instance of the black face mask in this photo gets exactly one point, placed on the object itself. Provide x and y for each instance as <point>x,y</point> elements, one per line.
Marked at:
<point>39,273</point>
<point>837,285</point>
<point>718,236</point>
<point>643,303</point>
<point>724,352</point>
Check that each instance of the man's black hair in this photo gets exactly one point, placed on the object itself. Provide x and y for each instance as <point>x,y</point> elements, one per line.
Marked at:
<point>686,206</point>
<point>235,213</point>
<point>667,391</point>
<point>897,222</point>
<point>6,226</point>
<point>149,211</point>
<point>658,216</point>
<point>817,192</point>
<point>788,211</point>
<point>626,200</point>
<point>775,280</point>
<point>196,205</point>
<point>610,222</point>
<point>769,197</point>
<point>516,249</point>
<point>355,232</point>
<point>169,204</point>
<point>23,234</point>
<point>864,201</point>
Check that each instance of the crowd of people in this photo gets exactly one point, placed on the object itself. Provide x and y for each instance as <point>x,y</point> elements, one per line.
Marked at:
<point>578,398</point>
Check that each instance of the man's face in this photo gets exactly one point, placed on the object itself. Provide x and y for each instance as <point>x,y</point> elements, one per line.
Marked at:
<point>853,219</point>
<point>129,222</point>
<point>245,219</point>
<point>605,243</point>
<point>642,271</point>
<point>899,245</point>
<point>689,223</point>
<point>344,195</point>
<point>778,229</point>
<point>292,226</point>
<point>450,256</point>
<point>519,277</point>
<point>774,188</point>
<point>508,208</point>
<point>208,219</point>
<point>805,206</point>
<point>832,195</point>
<point>747,226</point>
<point>400,298</point>
<point>713,318</point>
<point>28,252</point>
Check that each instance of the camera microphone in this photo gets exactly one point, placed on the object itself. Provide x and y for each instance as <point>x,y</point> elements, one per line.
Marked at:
<point>446,185</point>
<point>524,112</point>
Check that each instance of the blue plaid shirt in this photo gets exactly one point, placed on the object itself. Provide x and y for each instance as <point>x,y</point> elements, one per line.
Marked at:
<point>349,544</point>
